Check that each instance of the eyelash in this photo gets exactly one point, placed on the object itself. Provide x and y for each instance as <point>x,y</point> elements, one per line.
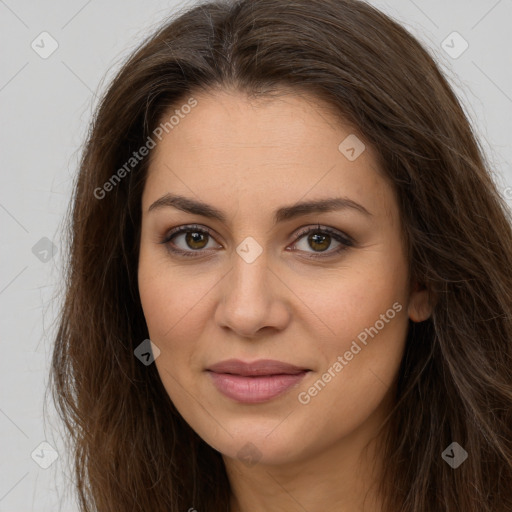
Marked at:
<point>344,240</point>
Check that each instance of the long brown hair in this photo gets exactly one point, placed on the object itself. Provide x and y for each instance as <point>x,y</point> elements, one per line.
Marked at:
<point>131,449</point>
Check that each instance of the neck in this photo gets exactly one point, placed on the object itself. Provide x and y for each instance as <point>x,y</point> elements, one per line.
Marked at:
<point>343,477</point>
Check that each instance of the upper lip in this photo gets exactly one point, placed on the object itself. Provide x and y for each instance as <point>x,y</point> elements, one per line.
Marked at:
<point>255,368</point>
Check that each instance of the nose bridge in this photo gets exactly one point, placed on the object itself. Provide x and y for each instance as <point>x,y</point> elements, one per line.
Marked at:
<point>249,281</point>
<point>250,298</point>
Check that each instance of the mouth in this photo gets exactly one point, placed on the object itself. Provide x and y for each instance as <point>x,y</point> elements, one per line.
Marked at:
<point>255,382</point>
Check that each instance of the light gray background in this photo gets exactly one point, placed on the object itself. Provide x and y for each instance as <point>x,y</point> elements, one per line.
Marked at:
<point>46,105</point>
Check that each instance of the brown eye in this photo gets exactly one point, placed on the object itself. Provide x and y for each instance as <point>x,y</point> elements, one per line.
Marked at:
<point>188,240</point>
<point>320,239</point>
<point>196,239</point>
<point>319,242</point>
<point>191,240</point>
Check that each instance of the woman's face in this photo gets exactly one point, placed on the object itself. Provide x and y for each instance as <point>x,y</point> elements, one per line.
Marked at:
<point>248,282</point>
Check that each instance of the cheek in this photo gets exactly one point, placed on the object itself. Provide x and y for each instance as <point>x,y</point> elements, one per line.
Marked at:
<point>171,303</point>
<point>171,296</point>
<point>361,362</point>
<point>357,300</point>
<point>155,296</point>
<point>360,357</point>
<point>366,314</point>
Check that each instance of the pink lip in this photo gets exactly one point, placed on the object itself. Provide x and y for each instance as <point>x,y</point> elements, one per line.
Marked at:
<point>254,382</point>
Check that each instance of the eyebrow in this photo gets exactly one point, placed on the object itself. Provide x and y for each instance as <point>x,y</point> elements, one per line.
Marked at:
<point>282,214</point>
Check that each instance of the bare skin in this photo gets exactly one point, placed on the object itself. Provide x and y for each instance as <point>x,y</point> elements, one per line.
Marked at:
<point>248,159</point>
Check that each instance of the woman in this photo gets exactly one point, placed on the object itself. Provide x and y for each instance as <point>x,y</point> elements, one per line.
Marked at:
<point>289,281</point>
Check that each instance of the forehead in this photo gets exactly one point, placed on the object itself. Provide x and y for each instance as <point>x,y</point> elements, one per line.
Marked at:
<point>230,119</point>
<point>285,147</point>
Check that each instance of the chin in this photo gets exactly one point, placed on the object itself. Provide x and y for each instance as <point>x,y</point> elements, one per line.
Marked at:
<point>253,443</point>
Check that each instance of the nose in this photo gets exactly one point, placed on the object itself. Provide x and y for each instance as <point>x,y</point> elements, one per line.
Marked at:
<point>253,300</point>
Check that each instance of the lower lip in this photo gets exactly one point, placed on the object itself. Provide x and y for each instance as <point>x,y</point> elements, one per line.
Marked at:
<point>253,390</point>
